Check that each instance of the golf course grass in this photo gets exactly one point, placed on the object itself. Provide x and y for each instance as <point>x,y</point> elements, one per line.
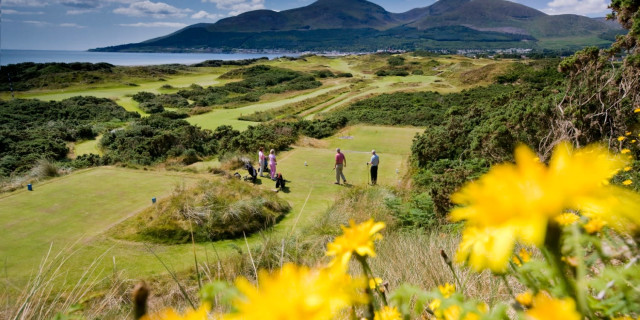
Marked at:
<point>80,213</point>
<point>77,212</point>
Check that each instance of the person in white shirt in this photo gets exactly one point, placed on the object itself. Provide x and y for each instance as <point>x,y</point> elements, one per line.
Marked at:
<point>375,160</point>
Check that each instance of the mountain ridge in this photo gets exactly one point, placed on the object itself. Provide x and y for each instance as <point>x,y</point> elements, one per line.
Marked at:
<point>465,23</point>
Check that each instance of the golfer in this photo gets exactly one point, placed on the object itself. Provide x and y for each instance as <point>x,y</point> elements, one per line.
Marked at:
<point>375,160</point>
<point>341,162</point>
<point>262,161</point>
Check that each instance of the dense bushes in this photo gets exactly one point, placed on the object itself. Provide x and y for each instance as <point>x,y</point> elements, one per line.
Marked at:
<point>31,129</point>
<point>29,75</point>
<point>214,210</point>
<point>155,138</point>
<point>151,103</point>
<point>256,81</point>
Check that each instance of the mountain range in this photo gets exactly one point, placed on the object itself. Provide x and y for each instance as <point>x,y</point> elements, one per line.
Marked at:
<point>362,26</point>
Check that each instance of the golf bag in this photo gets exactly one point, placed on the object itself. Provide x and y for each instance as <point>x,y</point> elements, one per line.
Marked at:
<point>252,172</point>
<point>280,181</point>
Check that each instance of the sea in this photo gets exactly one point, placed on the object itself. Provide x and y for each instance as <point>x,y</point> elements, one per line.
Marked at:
<point>9,56</point>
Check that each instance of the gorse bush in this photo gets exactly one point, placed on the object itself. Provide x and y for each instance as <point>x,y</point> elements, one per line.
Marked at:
<point>31,129</point>
<point>256,81</point>
<point>213,210</point>
<point>152,139</point>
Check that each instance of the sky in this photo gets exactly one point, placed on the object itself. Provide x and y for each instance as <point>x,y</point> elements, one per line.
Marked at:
<point>85,24</point>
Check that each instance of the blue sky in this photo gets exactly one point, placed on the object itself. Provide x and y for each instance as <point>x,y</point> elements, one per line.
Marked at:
<point>84,24</point>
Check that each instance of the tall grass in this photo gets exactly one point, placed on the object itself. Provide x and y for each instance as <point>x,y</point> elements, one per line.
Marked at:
<point>403,256</point>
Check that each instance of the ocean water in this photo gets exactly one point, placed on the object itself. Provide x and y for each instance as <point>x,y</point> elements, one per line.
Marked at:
<point>123,58</point>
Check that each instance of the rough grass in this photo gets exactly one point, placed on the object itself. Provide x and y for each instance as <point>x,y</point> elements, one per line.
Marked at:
<point>212,210</point>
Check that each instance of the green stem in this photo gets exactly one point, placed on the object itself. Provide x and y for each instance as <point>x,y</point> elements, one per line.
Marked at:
<point>370,312</point>
<point>581,273</point>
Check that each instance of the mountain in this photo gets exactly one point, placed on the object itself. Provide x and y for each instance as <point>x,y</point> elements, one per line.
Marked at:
<point>359,25</point>
<point>322,14</point>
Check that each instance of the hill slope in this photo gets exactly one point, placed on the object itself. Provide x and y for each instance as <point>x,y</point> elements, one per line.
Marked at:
<point>359,25</point>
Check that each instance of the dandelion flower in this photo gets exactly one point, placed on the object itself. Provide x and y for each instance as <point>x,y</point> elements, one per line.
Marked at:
<point>548,308</point>
<point>633,141</point>
<point>513,202</point>
<point>627,169</point>
<point>525,299</point>
<point>594,225</point>
<point>623,151</point>
<point>523,256</point>
<point>356,238</point>
<point>620,138</point>
<point>486,248</point>
<point>566,218</point>
<point>447,289</point>
<point>297,293</point>
<point>170,314</point>
<point>388,313</point>
<point>376,283</point>
<point>628,133</point>
<point>636,110</point>
<point>627,182</point>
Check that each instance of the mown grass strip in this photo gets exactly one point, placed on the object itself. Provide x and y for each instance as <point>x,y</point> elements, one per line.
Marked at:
<point>294,107</point>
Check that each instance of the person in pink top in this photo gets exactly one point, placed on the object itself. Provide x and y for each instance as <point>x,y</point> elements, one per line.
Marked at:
<point>341,162</point>
<point>262,161</point>
<point>272,164</point>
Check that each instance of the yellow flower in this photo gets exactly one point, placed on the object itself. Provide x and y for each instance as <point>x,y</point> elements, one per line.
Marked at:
<point>514,202</point>
<point>618,208</point>
<point>170,314</point>
<point>633,141</point>
<point>620,138</point>
<point>525,299</point>
<point>356,238</point>
<point>523,256</point>
<point>627,168</point>
<point>567,218</point>
<point>548,308</point>
<point>387,313</point>
<point>594,225</point>
<point>623,151</point>
<point>486,248</point>
<point>376,282</point>
<point>627,182</point>
<point>628,133</point>
<point>447,289</point>
<point>636,110</point>
<point>297,293</point>
<point>454,312</point>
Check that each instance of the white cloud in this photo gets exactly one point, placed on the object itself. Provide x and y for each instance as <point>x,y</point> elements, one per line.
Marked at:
<point>71,25</point>
<point>37,23</point>
<point>205,15</point>
<point>80,11</point>
<point>155,25</point>
<point>81,4</point>
<point>9,11</point>
<point>158,10</point>
<point>581,7</point>
<point>238,6</point>
<point>24,3</point>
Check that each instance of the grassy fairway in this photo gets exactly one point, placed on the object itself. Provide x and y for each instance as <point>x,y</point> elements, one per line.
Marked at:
<point>79,206</point>
<point>218,117</point>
